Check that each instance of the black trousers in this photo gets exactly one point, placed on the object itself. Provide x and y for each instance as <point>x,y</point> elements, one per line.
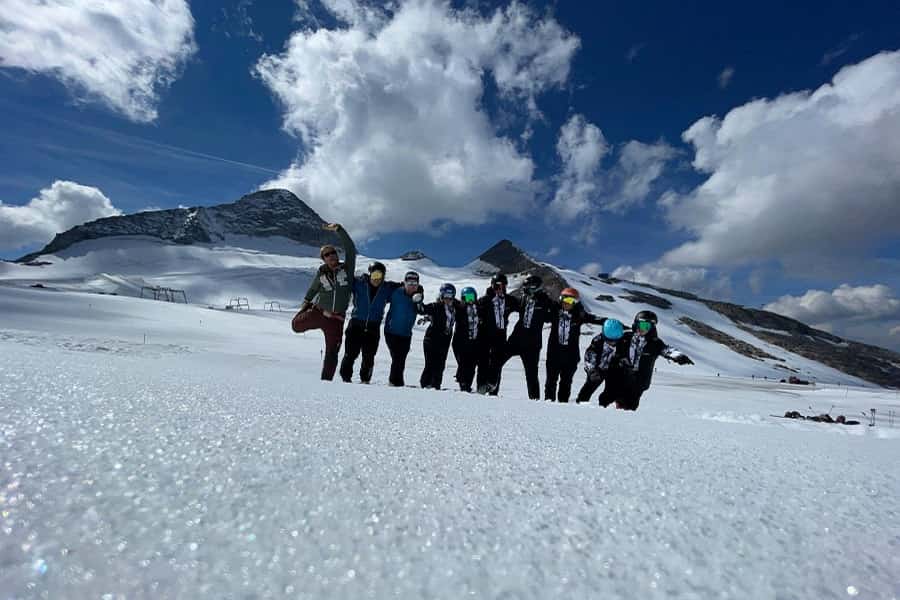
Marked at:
<point>530,353</point>
<point>621,388</point>
<point>561,366</point>
<point>360,337</point>
<point>398,346</point>
<point>467,358</point>
<point>436,350</point>
<point>594,381</point>
<point>490,360</point>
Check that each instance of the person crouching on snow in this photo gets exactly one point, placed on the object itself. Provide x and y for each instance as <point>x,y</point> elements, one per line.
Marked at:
<point>600,357</point>
<point>436,345</point>
<point>563,348</point>
<point>639,348</point>
<point>328,297</point>
<point>398,324</point>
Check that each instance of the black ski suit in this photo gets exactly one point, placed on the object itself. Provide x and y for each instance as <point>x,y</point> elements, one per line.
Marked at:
<point>526,341</point>
<point>494,311</point>
<point>563,349</point>
<point>466,348</point>
<point>629,377</point>
<point>437,341</point>
<point>599,361</point>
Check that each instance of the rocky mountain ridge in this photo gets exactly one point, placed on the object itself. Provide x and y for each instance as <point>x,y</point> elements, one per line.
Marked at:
<point>265,213</point>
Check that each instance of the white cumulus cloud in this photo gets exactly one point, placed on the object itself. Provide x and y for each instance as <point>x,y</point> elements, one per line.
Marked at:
<point>805,179</point>
<point>591,269</point>
<point>725,77</point>
<point>585,187</point>
<point>56,209</point>
<point>688,279</point>
<point>581,146</point>
<point>389,111</point>
<point>818,307</point>
<point>120,53</point>
<point>870,313</point>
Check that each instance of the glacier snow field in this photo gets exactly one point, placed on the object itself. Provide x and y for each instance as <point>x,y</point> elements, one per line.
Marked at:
<point>153,450</point>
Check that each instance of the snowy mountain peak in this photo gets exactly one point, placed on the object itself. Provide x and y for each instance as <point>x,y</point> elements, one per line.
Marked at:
<point>265,213</point>
<point>413,255</point>
<point>508,258</point>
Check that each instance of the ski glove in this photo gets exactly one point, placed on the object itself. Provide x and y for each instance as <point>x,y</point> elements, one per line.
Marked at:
<point>423,320</point>
<point>417,298</point>
<point>682,359</point>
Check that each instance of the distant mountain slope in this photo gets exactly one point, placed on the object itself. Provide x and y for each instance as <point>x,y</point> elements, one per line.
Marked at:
<point>267,213</point>
<point>871,363</point>
<point>265,247</point>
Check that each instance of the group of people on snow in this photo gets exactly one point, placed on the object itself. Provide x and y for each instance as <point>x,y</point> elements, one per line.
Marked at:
<point>475,328</point>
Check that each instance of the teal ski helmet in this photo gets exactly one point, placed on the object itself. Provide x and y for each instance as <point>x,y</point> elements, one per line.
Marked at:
<point>613,329</point>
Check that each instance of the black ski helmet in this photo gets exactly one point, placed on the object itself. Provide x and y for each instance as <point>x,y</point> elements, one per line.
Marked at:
<point>498,279</point>
<point>377,266</point>
<point>532,284</point>
<point>646,315</point>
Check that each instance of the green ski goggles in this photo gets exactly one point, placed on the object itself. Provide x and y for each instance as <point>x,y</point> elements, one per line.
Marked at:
<point>644,326</point>
<point>468,297</point>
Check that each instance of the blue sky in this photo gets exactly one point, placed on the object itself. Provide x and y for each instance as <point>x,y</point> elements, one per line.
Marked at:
<point>570,144</point>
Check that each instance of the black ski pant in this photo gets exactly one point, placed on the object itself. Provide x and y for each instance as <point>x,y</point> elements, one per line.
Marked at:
<point>530,353</point>
<point>361,336</point>
<point>467,358</point>
<point>493,345</point>
<point>398,345</point>
<point>594,380</point>
<point>436,350</point>
<point>561,366</point>
<point>622,388</point>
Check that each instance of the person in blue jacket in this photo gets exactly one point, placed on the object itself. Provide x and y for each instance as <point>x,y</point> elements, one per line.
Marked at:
<point>398,324</point>
<point>370,297</point>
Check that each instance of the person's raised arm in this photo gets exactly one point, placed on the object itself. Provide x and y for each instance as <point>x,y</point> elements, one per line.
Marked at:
<point>347,244</point>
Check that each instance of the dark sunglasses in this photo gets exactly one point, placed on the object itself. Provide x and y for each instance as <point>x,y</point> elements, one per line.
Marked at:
<point>327,254</point>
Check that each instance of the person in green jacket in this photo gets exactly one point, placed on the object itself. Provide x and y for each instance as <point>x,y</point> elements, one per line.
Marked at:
<point>328,297</point>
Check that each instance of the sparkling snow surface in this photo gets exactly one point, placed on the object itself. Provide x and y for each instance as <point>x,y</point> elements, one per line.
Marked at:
<point>210,462</point>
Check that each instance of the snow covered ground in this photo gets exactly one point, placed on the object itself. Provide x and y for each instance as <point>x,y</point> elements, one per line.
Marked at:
<point>152,450</point>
